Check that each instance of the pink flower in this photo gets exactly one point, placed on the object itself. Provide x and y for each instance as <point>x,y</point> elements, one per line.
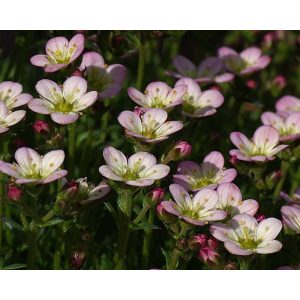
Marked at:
<point>244,235</point>
<point>106,80</point>
<point>209,70</point>
<point>158,95</point>
<point>197,104</point>
<point>209,255</point>
<point>14,193</point>
<point>8,118</point>
<point>40,126</point>
<point>139,170</point>
<point>288,128</point>
<point>60,53</point>
<point>151,127</point>
<point>248,61</point>
<point>291,219</point>
<point>11,94</point>
<point>230,200</point>
<point>287,105</point>
<point>63,104</point>
<point>198,210</point>
<point>209,174</point>
<point>263,146</point>
<point>33,168</point>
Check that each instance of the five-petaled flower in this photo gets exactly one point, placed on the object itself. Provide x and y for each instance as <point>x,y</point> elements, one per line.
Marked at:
<point>139,170</point>
<point>152,126</point>
<point>158,95</point>
<point>288,128</point>
<point>106,80</point>
<point>59,53</point>
<point>210,173</point>
<point>34,168</point>
<point>248,61</point>
<point>245,236</point>
<point>11,94</point>
<point>263,146</point>
<point>8,118</point>
<point>209,70</point>
<point>197,104</point>
<point>63,104</point>
<point>198,209</point>
<point>230,200</point>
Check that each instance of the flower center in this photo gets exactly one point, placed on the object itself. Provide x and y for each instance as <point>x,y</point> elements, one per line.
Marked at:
<point>201,182</point>
<point>63,106</point>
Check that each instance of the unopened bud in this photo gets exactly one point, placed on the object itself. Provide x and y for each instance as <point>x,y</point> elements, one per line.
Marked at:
<point>213,243</point>
<point>14,193</point>
<point>156,195</point>
<point>163,215</point>
<point>40,126</point>
<point>208,255</point>
<point>182,244</point>
<point>181,150</point>
<point>198,240</point>
<point>251,84</point>
<point>77,259</point>
<point>279,81</point>
<point>231,266</point>
<point>260,217</point>
<point>273,179</point>
<point>138,111</point>
<point>77,73</point>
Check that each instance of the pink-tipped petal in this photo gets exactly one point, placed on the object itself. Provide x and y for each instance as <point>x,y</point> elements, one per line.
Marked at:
<point>64,118</point>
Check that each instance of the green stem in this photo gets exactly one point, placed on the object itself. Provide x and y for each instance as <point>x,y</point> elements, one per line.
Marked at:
<point>125,208</point>
<point>1,213</point>
<point>147,240</point>
<point>72,144</point>
<point>141,66</point>
<point>174,260</point>
<point>141,215</point>
<point>48,216</point>
<point>284,170</point>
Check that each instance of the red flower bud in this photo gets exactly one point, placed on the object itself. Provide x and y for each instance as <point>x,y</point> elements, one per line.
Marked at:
<point>14,193</point>
<point>163,215</point>
<point>198,240</point>
<point>77,259</point>
<point>260,217</point>
<point>251,84</point>
<point>279,81</point>
<point>40,126</point>
<point>208,255</point>
<point>157,194</point>
<point>77,73</point>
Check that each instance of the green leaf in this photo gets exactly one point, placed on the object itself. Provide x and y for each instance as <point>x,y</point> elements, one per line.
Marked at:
<point>51,222</point>
<point>11,224</point>
<point>167,257</point>
<point>15,267</point>
<point>144,226</point>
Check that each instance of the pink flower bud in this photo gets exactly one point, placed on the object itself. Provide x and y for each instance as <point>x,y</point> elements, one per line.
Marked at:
<point>157,194</point>
<point>251,84</point>
<point>268,39</point>
<point>138,111</point>
<point>77,73</point>
<point>233,160</point>
<point>183,149</point>
<point>14,193</point>
<point>260,217</point>
<point>213,243</point>
<point>208,255</point>
<point>215,88</point>
<point>40,126</point>
<point>77,259</point>
<point>279,81</point>
<point>163,215</point>
<point>198,240</point>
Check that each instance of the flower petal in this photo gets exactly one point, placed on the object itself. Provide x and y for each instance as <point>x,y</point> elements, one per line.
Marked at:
<point>241,141</point>
<point>180,195</point>
<point>268,229</point>
<point>92,58</point>
<point>40,106</point>
<point>169,128</point>
<point>117,72</point>
<point>229,195</point>
<point>169,207</point>
<point>269,247</point>
<point>52,161</point>
<point>28,159</point>
<point>211,98</point>
<point>251,55</point>
<point>55,176</point>
<point>206,198</point>
<point>85,101</point>
<point>156,172</point>
<point>49,90</point>
<point>193,88</point>
<point>249,207</point>
<point>107,172</point>
<point>130,121</point>
<point>9,169</point>
<point>269,118</point>
<point>219,231</point>
<point>235,248</point>
<point>137,97</point>
<point>154,118</point>
<point>288,104</point>
<point>184,66</point>
<point>14,117</point>
<point>76,46</point>
<point>40,60</point>
<point>115,159</point>
<point>157,89</point>
<point>74,88</point>
<point>140,182</point>
<point>21,99</point>
<point>64,118</point>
